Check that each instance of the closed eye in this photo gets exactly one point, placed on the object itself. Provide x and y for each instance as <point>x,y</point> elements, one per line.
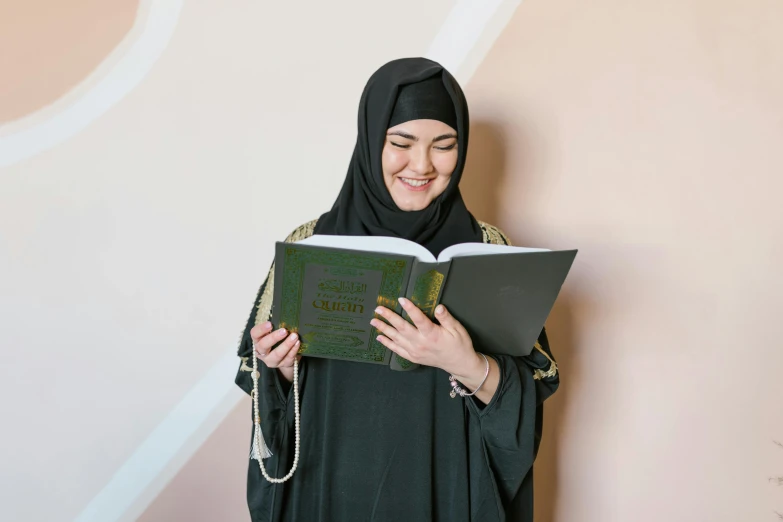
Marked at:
<point>400,145</point>
<point>449,147</point>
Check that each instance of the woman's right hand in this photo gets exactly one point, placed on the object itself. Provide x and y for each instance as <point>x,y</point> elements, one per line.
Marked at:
<point>275,349</point>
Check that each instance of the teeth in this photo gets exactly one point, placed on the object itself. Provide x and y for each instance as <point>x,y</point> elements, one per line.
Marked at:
<point>416,183</point>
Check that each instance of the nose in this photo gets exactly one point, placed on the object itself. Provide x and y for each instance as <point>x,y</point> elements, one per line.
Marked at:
<point>420,161</point>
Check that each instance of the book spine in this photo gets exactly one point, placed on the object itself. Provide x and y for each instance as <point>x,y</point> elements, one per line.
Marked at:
<point>425,288</point>
<point>277,284</point>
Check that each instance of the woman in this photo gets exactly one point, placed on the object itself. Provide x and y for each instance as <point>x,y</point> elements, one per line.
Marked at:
<point>385,446</point>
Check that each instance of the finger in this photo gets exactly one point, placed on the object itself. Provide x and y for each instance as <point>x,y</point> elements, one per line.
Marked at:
<point>387,329</point>
<point>448,321</point>
<point>266,343</point>
<point>276,356</point>
<point>260,330</point>
<point>421,321</point>
<point>292,355</point>
<point>396,348</point>
<point>396,321</point>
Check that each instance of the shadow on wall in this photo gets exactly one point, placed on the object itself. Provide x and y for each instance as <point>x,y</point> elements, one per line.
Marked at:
<point>481,186</point>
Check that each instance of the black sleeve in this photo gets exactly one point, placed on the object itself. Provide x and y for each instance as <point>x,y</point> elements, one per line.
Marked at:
<point>506,432</point>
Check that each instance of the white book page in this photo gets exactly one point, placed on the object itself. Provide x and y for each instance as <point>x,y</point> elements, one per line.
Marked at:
<point>381,244</point>
<point>480,249</point>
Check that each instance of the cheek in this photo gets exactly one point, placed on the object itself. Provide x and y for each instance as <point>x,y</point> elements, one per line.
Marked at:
<point>393,161</point>
<point>439,185</point>
<point>445,163</point>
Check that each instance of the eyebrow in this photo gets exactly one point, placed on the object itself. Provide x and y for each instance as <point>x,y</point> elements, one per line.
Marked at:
<point>414,138</point>
<point>445,137</point>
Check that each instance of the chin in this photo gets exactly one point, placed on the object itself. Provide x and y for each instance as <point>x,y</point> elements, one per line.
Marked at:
<point>412,206</point>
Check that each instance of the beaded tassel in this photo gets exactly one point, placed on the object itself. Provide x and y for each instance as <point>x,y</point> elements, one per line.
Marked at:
<point>260,448</point>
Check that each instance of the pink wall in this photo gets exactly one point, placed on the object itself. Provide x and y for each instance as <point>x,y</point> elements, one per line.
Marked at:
<point>650,137</point>
<point>51,46</point>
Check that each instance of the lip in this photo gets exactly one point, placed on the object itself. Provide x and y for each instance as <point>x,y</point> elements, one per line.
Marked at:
<point>416,189</point>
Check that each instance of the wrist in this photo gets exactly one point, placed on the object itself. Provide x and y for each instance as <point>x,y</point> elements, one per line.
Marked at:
<point>473,372</point>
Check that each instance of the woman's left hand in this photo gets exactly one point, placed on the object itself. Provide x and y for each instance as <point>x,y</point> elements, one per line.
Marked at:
<point>446,346</point>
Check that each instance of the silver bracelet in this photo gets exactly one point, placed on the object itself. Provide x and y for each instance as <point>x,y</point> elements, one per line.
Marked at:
<point>456,389</point>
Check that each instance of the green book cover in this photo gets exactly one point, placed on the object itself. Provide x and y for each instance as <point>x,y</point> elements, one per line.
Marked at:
<point>328,296</point>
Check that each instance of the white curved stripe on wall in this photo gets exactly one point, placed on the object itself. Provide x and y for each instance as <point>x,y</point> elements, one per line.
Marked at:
<point>160,19</point>
<point>468,33</point>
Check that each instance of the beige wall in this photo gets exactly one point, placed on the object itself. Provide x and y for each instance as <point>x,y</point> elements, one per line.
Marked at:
<point>649,135</point>
<point>646,134</point>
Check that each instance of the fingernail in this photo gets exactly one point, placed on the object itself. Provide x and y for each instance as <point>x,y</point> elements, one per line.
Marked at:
<point>281,332</point>
<point>379,310</point>
<point>374,322</point>
<point>267,325</point>
<point>293,337</point>
<point>439,310</point>
<point>402,301</point>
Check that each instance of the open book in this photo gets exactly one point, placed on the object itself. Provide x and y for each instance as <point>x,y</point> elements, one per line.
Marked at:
<point>327,288</point>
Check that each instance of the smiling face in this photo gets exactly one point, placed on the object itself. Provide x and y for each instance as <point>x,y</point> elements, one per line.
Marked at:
<point>418,159</point>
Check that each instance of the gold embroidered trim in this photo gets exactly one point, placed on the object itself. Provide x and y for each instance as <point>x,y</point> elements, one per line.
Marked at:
<point>265,303</point>
<point>539,374</point>
<point>302,232</point>
<point>245,367</point>
<point>493,234</point>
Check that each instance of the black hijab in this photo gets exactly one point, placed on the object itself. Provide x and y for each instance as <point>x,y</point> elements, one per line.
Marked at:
<point>364,206</point>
